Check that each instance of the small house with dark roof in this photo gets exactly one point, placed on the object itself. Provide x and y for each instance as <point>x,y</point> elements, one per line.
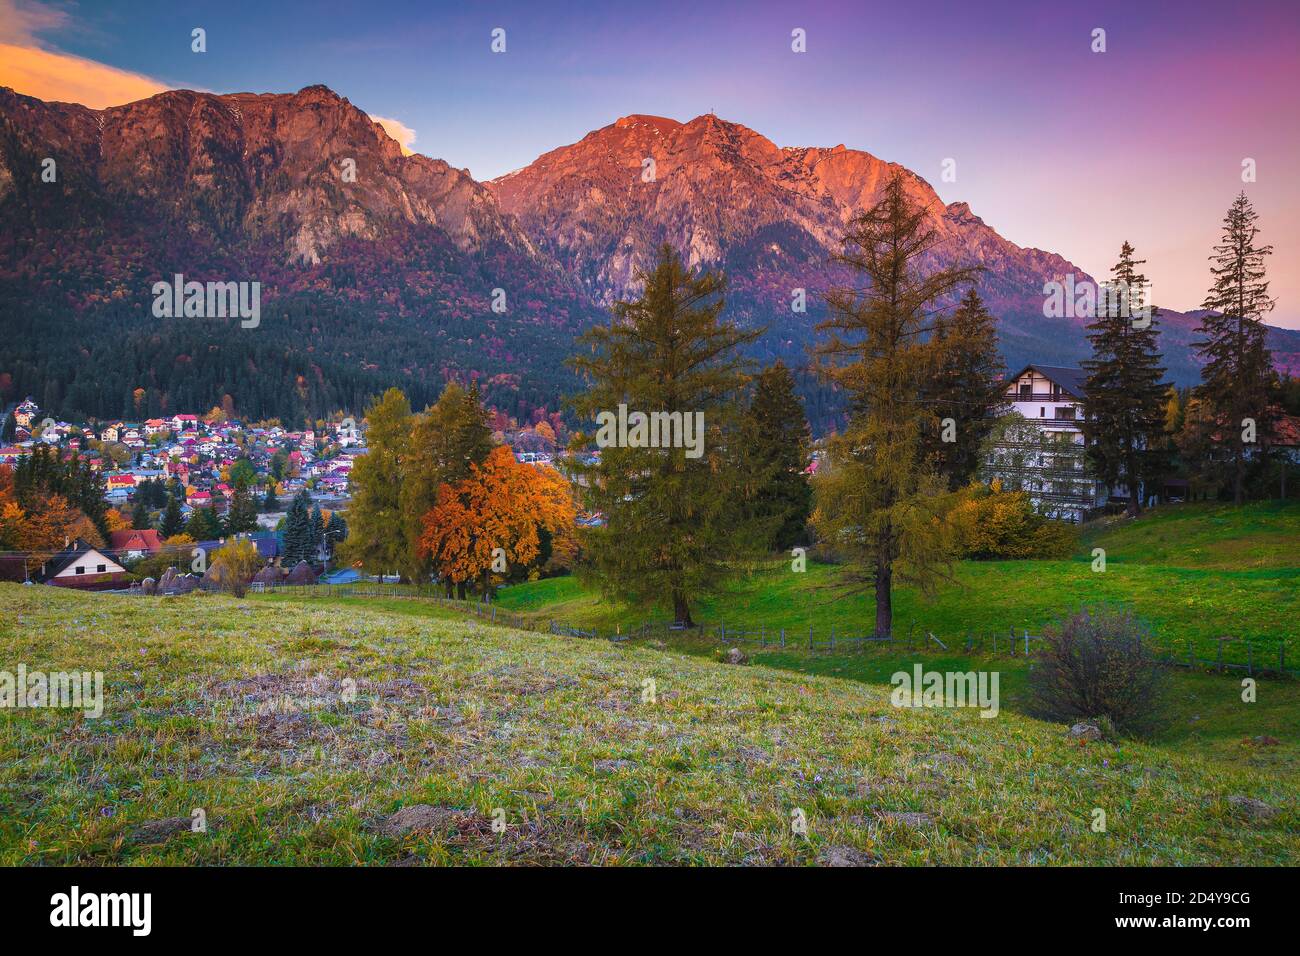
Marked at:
<point>82,565</point>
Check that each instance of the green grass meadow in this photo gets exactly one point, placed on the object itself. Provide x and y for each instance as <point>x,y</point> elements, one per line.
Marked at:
<point>395,732</point>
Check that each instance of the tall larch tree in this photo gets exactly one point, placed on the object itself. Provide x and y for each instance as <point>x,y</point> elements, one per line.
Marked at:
<point>878,498</point>
<point>1124,392</point>
<point>376,538</point>
<point>1238,381</point>
<point>674,521</point>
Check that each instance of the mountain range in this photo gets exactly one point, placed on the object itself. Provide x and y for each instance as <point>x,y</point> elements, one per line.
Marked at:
<point>379,268</point>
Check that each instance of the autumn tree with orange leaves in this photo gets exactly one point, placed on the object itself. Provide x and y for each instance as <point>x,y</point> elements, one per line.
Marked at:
<point>491,520</point>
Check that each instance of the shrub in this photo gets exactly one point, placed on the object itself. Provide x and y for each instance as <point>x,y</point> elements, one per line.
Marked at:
<point>234,565</point>
<point>1096,664</point>
<point>990,523</point>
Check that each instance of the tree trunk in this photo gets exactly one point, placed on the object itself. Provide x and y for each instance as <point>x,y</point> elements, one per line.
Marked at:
<point>681,609</point>
<point>884,599</point>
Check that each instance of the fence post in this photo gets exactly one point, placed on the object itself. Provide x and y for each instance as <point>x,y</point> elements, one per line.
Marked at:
<point>832,637</point>
<point>810,638</point>
<point>1026,642</point>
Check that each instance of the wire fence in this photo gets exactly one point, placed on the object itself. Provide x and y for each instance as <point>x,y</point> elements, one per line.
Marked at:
<point>1231,654</point>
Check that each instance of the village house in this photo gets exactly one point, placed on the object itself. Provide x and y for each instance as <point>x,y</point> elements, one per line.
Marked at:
<point>81,565</point>
<point>1055,471</point>
<point>131,545</point>
<point>26,413</point>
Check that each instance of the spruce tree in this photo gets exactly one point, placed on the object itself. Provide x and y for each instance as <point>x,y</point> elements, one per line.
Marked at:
<point>674,520</point>
<point>964,392</point>
<point>140,516</point>
<point>1124,395</point>
<point>270,502</point>
<point>1238,381</point>
<point>878,498</point>
<point>298,544</point>
<point>336,532</point>
<point>778,444</point>
<point>172,522</point>
<point>317,532</point>
<point>203,525</point>
<point>241,518</point>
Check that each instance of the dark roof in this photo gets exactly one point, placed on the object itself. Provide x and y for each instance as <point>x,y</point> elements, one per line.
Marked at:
<point>1070,379</point>
<point>266,542</point>
<point>65,558</point>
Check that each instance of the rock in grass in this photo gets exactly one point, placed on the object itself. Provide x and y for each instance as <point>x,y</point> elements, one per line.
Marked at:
<point>160,831</point>
<point>732,655</point>
<point>1085,731</point>
<point>845,856</point>
<point>1251,808</point>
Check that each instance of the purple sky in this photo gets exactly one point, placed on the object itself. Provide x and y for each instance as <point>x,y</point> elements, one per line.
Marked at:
<point>1055,146</point>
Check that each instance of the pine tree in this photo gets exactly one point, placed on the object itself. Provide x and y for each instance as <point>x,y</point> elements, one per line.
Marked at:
<point>336,532</point>
<point>140,516</point>
<point>172,522</point>
<point>965,392</point>
<point>241,517</point>
<point>674,521</point>
<point>317,532</point>
<point>1124,395</point>
<point>778,444</point>
<point>298,544</point>
<point>447,440</point>
<point>203,525</point>
<point>1237,380</point>
<point>877,497</point>
<point>270,502</point>
<point>10,426</point>
<point>377,538</point>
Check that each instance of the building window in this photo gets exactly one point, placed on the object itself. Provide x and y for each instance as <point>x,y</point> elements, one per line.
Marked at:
<point>102,568</point>
<point>80,569</point>
<point>1042,411</point>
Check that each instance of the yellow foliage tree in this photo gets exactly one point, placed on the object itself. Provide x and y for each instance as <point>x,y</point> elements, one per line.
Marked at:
<point>491,520</point>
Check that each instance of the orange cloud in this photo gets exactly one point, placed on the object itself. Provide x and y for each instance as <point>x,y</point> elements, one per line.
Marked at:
<point>62,77</point>
<point>404,135</point>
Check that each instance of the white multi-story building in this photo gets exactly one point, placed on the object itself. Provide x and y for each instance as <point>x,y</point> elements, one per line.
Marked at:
<point>1046,457</point>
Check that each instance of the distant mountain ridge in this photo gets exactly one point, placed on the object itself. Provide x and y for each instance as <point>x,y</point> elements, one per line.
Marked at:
<point>389,276</point>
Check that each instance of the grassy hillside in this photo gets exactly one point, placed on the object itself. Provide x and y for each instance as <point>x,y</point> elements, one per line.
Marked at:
<point>237,707</point>
<point>1193,573</point>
